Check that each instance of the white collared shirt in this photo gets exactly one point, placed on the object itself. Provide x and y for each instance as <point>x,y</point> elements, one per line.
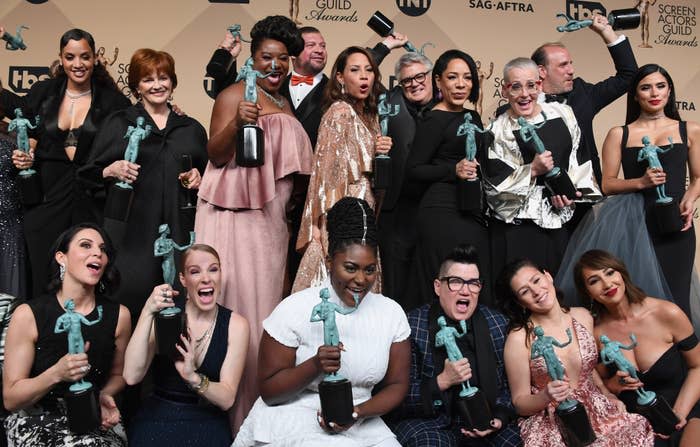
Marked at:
<point>298,92</point>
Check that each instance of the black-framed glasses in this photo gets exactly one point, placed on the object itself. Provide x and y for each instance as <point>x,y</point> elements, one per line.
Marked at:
<point>419,78</point>
<point>455,283</point>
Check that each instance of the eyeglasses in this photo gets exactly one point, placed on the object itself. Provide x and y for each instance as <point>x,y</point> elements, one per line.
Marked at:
<point>516,88</point>
<point>455,283</point>
<point>419,78</point>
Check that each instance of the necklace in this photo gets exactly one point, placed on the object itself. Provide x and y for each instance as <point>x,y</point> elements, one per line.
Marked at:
<point>73,97</point>
<point>278,102</point>
<point>199,342</point>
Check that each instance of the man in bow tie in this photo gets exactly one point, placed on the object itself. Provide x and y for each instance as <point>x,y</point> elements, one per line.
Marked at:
<point>586,99</point>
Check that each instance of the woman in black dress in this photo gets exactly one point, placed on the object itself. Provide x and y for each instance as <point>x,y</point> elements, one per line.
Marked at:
<point>652,113</point>
<point>157,175</point>
<point>38,367</point>
<point>71,107</point>
<point>435,166</point>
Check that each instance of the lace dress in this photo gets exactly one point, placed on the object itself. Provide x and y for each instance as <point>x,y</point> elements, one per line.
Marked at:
<point>612,427</point>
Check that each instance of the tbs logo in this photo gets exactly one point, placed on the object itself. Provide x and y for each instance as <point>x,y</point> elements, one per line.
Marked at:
<point>21,79</point>
<point>579,10</point>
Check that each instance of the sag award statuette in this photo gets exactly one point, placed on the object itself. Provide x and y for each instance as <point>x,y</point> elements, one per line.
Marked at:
<point>557,181</point>
<point>380,24</point>
<point>14,43</point>
<point>250,139</point>
<point>469,196</point>
<point>382,162</point>
<point>618,19</point>
<point>576,425</point>
<point>334,390</point>
<point>121,194</point>
<point>471,403</point>
<point>169,322</point>
<point>82,404</point>
<point>29,183</point>
<point>667,213</point>
<point>653,407</point>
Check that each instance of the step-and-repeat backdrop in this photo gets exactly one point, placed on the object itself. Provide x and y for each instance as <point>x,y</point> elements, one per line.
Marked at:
<point>492,31</point>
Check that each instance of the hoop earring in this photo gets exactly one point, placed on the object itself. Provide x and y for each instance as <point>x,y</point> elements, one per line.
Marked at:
<point>61,272</point>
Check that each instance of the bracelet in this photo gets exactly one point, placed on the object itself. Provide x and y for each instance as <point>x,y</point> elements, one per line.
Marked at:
<point>203,384</point>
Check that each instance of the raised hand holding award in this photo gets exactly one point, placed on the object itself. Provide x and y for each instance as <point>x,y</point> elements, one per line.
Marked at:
<point>576,427</point>
<point>471,402</point>
<point>169,322</point>
<point>83,406</point>
<point>335,391</point>
<point>653,407</point>
<point>250,139</point>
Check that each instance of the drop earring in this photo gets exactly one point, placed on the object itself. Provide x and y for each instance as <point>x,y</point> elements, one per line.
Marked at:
<point>342,89</point>
<point>61,272</point>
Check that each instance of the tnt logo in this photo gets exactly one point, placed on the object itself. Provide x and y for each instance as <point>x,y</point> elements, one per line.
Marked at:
<point>413,8</point>
<point>21,79</point>
<point>583,10</point>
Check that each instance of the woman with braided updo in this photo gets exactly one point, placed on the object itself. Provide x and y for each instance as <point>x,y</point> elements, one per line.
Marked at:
<point>373,341</point>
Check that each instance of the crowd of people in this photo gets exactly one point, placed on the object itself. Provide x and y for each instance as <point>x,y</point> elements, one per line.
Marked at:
<point>448,279</point>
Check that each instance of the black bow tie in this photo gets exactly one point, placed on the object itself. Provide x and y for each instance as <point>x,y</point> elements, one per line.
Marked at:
<point>556,97</point>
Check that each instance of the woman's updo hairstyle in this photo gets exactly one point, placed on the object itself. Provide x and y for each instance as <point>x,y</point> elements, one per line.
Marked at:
<point>278,28</point>
<point>351,221</point>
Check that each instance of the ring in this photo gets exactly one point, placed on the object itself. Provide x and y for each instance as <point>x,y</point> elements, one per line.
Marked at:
<point>85,369</point>
<point>164,293</point>
<point>622,381</point>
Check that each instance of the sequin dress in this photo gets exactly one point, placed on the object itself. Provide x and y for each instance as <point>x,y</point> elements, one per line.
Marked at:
<point>612,426</point>
<point>342,167</point>
<point>12,269</point>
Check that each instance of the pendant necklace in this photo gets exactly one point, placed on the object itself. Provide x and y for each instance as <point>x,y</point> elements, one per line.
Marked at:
<point>278,102</point>
<point>73,97</point>
<point>202,340</point>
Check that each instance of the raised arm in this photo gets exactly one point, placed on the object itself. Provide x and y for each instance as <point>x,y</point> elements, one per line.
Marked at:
<point>229,114</point>
<point>558,344</point>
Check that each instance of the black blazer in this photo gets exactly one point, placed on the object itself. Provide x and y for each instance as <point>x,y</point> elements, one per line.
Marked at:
<point>402,129</point>
<point>309,112</point>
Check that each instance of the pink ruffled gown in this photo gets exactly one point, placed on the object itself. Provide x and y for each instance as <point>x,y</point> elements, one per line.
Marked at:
<point>242,214</point>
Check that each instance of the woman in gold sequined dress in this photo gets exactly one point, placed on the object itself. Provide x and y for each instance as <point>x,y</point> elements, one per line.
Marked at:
<point>348,139</point>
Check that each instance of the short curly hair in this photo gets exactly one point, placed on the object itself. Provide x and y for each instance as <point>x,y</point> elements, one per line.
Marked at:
<point>278,28</point>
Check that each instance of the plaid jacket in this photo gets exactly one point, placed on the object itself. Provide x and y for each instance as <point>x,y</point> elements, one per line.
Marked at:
<point>423,373</point>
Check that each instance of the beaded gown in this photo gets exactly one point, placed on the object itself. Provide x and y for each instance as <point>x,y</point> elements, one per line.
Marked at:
<point>611,426</point>
<point>12,267</point>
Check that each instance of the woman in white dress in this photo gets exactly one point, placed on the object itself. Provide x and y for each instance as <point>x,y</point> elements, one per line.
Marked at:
<point>293,358</point>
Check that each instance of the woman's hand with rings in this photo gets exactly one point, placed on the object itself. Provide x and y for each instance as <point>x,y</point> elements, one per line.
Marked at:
<point>161,298</point>
<point>122,170</point>
<point>467,169</point>
<point>382,144</point>
<point>73,367</point>
<point>653,177</point>
<point>22,160</point>
<point>190,179</point>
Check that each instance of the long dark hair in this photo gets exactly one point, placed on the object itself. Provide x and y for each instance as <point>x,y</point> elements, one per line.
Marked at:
<point>633,109</point>
<point>110,278</point>
<point>100,75</point>
<point>518,315</point>
<point>442,62</point>
<point>334,91</point>
<point>600,260</point>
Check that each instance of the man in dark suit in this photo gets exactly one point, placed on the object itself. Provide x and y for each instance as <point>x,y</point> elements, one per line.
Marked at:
<point>586,99</point>
<point>414,96</point>
<point>304,86</point>
<point>428,414</point>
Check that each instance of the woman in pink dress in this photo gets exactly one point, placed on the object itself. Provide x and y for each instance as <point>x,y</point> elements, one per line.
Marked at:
<point>529,299</point>
<point>242,210</point>
<point>348,139</point>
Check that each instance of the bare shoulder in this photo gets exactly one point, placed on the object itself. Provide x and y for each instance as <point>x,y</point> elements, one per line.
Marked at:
<point>583,316</point>
<point>124,320</point>
<point>23,319</point>
<point>515,340</point>
<point>238,327</point>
